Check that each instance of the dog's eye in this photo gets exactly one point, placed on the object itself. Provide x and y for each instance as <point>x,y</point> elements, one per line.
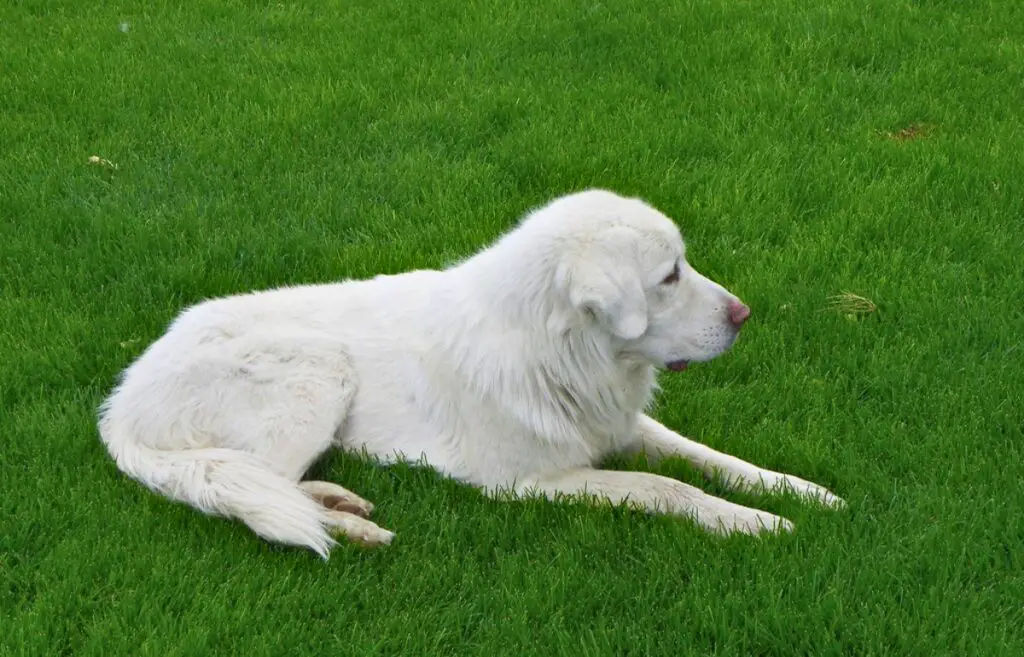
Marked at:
<point>673,277</point>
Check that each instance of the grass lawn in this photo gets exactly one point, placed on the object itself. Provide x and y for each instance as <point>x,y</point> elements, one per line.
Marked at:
<point>807,149</point>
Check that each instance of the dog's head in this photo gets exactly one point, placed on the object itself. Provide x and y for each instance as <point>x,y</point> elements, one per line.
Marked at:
<point>624,269</point>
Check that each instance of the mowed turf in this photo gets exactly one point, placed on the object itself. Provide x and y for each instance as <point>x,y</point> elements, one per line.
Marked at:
<point>806,149</point>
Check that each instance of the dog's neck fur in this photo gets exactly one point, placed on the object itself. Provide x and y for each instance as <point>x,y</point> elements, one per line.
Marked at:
<point>576,379</point>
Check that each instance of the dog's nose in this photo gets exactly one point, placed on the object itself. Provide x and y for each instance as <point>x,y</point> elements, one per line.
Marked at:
<point>738,313</point>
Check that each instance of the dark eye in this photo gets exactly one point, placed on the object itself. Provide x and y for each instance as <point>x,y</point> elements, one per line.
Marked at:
<point>673,277</point>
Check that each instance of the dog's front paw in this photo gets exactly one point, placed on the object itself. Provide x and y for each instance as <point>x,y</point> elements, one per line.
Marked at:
<point>724,517</point>
<point>752,521</point>
<point>808,491</point>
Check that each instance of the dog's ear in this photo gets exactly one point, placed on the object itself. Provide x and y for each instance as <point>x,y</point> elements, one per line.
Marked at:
<point>610,289</point>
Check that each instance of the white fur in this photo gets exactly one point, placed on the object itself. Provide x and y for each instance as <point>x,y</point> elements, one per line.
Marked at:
<point>516,370</point>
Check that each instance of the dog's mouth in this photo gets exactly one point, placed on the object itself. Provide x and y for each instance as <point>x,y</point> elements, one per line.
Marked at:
<point>678,365</point>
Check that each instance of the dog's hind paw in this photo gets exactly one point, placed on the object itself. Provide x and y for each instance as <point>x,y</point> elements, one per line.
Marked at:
<point>337,498</point>
<point>358,530</point>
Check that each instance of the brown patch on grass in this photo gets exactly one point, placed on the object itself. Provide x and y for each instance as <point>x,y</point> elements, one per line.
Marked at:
<point>910,133</point>
<point>852,306</point>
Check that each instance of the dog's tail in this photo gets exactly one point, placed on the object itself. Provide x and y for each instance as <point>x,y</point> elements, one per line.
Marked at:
<point>228,483</point>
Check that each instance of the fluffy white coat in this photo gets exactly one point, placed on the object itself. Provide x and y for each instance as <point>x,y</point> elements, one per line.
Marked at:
<point>516,370</point>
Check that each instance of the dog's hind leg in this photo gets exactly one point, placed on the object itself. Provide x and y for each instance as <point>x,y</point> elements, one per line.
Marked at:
<point>232,429</point>
<point>281,398</point>
<point>313,387</point>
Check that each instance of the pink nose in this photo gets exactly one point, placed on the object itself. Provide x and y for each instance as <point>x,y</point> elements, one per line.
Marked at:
<point>738,313</point>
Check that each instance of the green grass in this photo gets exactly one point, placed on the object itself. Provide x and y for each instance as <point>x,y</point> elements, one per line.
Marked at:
<point>807,149</point>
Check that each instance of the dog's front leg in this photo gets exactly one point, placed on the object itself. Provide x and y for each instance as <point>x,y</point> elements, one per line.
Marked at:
<point>655,494</point>
<point>659,441</point>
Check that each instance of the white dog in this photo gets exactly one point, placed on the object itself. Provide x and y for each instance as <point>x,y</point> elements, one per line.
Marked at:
<point>516,371</point>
